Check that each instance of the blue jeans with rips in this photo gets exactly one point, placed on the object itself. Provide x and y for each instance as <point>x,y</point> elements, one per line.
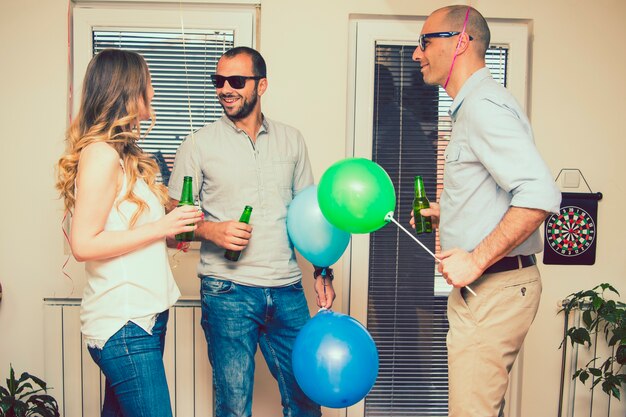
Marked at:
<point>132,362</point>
<point>236,319</point>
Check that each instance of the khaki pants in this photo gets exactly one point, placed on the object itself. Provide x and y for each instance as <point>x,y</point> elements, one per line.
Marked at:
<point>485,336</point>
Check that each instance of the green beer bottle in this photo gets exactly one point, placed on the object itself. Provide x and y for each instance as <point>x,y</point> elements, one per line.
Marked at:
<point>233,255</point>
<point>186,199</point>
<point>422,224</point>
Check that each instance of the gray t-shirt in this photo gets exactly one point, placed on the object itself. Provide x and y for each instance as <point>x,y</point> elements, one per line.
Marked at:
<point>492,163</point>
<point>235,172</point>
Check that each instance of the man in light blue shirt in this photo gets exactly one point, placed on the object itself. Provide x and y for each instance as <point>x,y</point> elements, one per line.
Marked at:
<point>497,190</point>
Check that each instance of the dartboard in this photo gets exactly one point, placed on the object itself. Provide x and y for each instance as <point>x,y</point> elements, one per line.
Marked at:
<point>570,232</point>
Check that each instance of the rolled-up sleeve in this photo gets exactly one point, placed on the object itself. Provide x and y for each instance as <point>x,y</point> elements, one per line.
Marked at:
<point>503,142</point>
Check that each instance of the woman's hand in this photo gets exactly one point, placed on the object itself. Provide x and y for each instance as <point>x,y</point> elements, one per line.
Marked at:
<point>181,219</point>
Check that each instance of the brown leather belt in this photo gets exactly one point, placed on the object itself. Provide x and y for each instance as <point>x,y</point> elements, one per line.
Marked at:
<point>511,262</point>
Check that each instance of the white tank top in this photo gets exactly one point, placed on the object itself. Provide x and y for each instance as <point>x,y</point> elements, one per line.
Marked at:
<point>133,287</point>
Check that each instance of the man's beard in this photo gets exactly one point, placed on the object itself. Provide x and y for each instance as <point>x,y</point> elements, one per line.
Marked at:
<point>246,107</point>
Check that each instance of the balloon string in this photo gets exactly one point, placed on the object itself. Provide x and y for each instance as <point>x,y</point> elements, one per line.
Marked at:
<point>180,247</point>
<point>389,217</point>
<point>67,239</point>
<point>458,46</point>
<point>324,281</point>
<point>193,138</point>
<point>70,67</point>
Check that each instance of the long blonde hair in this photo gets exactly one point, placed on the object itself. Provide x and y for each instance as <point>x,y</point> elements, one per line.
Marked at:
<point>115,87</point>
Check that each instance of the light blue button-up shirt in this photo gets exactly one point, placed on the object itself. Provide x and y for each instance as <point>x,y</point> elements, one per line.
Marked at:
<point>235,172</point>
<point>491,164</point>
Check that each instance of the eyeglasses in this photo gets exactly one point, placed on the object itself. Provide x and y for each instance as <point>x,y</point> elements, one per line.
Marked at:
<point>422,44</point>
<point>235,81</point>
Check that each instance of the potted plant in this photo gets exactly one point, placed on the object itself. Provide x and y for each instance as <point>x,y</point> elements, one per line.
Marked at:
<point>26,396</point>
<point>605,317</point>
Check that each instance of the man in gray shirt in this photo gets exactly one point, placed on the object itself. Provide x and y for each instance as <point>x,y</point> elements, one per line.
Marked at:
<point>497,190</point>
<point>242,159</point>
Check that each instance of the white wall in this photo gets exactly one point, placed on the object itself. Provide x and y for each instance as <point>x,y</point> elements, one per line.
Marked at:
<point>577,105</point>
<point>33,74</point>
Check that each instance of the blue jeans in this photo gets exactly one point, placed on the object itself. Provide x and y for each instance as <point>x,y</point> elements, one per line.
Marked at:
<point>132,362</point>
<point>236,319</point>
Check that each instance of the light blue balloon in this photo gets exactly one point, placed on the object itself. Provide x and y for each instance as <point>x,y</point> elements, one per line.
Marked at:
<point>316,239</point>
<point>335,360</point>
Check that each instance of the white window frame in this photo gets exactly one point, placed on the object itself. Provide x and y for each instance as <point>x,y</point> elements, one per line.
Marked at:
<point>365,33</point>
<point>118,16</point>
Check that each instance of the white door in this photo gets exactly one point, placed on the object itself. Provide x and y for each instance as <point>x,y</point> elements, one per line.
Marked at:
<point>409,329</point>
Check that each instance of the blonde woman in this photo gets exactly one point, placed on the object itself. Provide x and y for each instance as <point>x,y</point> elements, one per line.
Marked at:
<point>119,229</point>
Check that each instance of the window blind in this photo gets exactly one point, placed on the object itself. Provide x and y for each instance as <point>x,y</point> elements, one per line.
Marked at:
<point>406,302</point>
<point>180,67</point>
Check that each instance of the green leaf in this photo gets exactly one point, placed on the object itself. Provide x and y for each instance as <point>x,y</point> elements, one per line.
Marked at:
<point>615,338</point>
<point>45,404</point>
<point>595,382</point>
<point>609,387</point>
<point>616,393</point>
<point>22,387</point>
<point>595,372</point>
<point>611,288</point>
<point>597,303</point>
<point>33,392</point>
<point>583,376</point>
<point>586,294</point>
<point>621,330</point>
<point>20,408</point>
<point>38,381</point>
<point>580,336</point>
<point>620,354</point>
<point>21,398</point>
<point>610,307</point>
<point>606,366</point>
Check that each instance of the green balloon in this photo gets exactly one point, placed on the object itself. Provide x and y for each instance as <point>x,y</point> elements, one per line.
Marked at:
<point>355,195</point>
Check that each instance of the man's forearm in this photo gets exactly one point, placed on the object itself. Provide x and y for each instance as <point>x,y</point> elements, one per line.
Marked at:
<point>515,227</point>
<point>205,231</point>
<point>171,205</point>
<point>205,228</point>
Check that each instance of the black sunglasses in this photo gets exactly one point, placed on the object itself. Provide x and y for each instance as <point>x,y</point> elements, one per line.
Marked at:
<point>235,81</point>
<point>422,44</point>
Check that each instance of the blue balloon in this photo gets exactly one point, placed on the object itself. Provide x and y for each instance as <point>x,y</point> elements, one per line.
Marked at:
<point>316,239</point>
<point>335,360</point>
